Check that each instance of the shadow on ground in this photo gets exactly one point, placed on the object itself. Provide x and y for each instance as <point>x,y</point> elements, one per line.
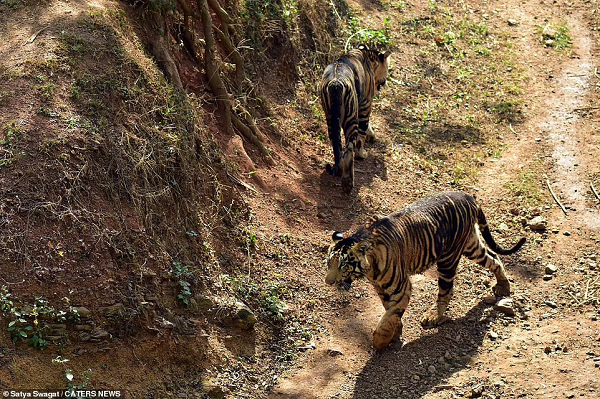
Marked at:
<point>408,371</point>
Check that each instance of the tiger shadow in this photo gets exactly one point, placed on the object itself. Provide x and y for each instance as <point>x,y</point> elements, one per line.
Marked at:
<point>391,372</point>
<point>343,208</point>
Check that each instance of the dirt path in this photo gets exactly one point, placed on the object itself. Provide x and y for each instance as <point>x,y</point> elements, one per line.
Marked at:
<point>550,348</point>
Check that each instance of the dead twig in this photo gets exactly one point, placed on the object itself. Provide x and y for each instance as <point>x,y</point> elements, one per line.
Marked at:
<point>35,35</point>
<point>241,183</point>
<point>554,195</point>
<point>511,128</point>
<point>594,191</point>
<point>596,73</point>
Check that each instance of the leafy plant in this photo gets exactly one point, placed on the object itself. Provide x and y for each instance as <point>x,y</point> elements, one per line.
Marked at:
<point>6,303</point>
<point>185,293</point>
<point>558,37</point>
<point>72,385</point>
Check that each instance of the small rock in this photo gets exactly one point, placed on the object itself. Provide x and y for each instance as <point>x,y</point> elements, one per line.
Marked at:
<point>244,317</point>
<point>98,334</point>
<point>114,311</point>
<point>550,268</point>
<point>83,327</point>
<point>493,335</point>
<point>512,22</point>
<point>447,355</point>
<point>538,223</point>
<point>547,350</point>
<point>431,369</point>
<point>490,300</point>
<point>503,227</point>
<point>538,139</point>
<point>505,306</point>
<point>547,277</point>
<point>549,42</point>
<point>334,352</point>
<point>212,388</point>
<point>551,304</point>
<point>83,312</point>
<point>567,233</point>
<point>476,391</point>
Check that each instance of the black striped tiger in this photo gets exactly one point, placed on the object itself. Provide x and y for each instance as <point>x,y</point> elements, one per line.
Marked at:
<point>434,230</point>
<point>346,92</point>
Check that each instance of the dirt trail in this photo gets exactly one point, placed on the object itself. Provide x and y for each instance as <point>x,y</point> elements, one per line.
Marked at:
<point>548,352</point>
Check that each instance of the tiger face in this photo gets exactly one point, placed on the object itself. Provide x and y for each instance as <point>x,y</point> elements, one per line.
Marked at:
<point>346,261</point>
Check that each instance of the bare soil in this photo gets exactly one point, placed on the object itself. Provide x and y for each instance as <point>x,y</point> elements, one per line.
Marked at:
<point>321,347</point>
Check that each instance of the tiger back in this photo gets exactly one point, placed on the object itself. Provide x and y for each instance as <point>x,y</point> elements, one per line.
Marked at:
<point>435,230</point>
<point>347,89</point>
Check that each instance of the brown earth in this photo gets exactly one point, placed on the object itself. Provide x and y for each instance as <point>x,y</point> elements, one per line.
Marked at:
<point>322,346</point>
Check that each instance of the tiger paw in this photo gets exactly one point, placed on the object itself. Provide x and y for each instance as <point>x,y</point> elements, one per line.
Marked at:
<point>333,170</point>
<point>502,288</point>
<point>431,318</point>
<point>382,339</point>
<point>370,135</point>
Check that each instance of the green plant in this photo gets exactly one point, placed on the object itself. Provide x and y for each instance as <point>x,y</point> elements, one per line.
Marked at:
<point>185,293</point>
<point>370,37</point>
<point>558,37</point>
<point>10,134</point>
<point>86,376</point>
<point>6,303</point>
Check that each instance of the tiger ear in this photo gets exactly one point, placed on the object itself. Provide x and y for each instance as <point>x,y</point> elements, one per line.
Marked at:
<point>384,56</point>
<point>337,236</point>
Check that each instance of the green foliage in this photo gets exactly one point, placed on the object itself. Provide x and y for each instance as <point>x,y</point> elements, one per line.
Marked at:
<point>6,303</point>
<point>181,271</point>
<point>371,37</point>
<point>527,187</point>
<point>268,294</point>
<point>86,377</point>
<point>185,293</point>
<point>10,134</point>
<point>558,37</point>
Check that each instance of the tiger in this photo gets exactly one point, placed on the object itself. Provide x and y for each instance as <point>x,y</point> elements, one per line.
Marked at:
<point>434,230</point>
<point>347,89</point>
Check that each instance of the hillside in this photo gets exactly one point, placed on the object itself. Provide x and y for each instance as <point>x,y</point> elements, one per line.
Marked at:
<point>142,236</point>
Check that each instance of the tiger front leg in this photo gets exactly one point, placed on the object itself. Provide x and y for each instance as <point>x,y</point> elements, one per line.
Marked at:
<point>390,326</point>
<point>389,329</point>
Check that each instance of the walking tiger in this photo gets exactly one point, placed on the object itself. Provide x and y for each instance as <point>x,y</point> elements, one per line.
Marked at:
<point>347,89</point>
<point>434,230</point>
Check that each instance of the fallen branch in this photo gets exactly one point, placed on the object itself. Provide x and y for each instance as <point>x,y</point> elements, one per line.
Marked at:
<point>241,183</point>
<point>35,35</point>
<point>554,195</point>
<point>594,191</point>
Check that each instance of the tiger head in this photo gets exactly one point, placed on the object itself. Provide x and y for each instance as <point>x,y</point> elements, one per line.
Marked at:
<point>347,260</point>
<point>379,65</point>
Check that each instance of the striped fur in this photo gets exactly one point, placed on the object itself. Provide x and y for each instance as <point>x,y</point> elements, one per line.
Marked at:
<point>435,230</point>
<point>346,92</point>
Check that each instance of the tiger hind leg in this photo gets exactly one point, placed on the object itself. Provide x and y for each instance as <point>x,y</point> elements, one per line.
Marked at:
<point>361,152</point>
<point>446,272</point>
<point>477,251</point>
